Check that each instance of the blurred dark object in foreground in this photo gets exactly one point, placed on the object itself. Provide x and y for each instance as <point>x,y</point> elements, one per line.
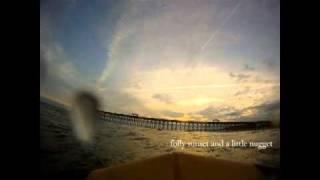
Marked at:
<point>61,155</point>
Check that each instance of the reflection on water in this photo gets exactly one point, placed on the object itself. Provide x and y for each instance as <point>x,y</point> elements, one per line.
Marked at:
<point>63,156</point>
<point>121,143</point>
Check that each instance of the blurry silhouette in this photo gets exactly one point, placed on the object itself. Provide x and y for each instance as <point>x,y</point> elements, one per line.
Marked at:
<point>83,116</point>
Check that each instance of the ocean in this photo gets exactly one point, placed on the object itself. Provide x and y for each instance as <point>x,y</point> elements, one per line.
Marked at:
<point>63,156</point>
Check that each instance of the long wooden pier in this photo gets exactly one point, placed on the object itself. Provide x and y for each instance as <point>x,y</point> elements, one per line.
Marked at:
<point>168,124</point>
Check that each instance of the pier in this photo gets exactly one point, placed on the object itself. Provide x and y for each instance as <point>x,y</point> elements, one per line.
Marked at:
<point>167,124</point>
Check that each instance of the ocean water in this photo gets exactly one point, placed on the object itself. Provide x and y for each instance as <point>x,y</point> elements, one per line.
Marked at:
<point>63,156</point>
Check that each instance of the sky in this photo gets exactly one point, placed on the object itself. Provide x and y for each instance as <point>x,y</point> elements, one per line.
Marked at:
<point>176,59</point>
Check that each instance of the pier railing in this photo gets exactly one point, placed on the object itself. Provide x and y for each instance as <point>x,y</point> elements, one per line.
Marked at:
<point>167,124</point>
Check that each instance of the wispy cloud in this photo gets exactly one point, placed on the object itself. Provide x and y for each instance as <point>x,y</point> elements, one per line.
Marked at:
<point>226,19</point>
<point>240,77</point>
<point>243,91</point>
<point>264,111</point>
<point>59,77</point>
<point>171,114</point>
<point>152,64</point>
<point>163,97</point>
<point>247,67</point>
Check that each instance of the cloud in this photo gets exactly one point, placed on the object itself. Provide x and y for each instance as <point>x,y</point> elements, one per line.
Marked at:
<point>154,64</point>
<point>115,100</point>
<point>141,43</point>
<point>247,67</point>
<point>243,91</point>
<point>195,116</point>
<point>172,114</point>
<point>264,111</point>
<point>163,98</point>
<point>43,69</point>
<point>272,64</point>
<point>259,79</point>
<point>59,77</point>
<point>212,112</point>
<point>239,77</point>
<point>150,68</point>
